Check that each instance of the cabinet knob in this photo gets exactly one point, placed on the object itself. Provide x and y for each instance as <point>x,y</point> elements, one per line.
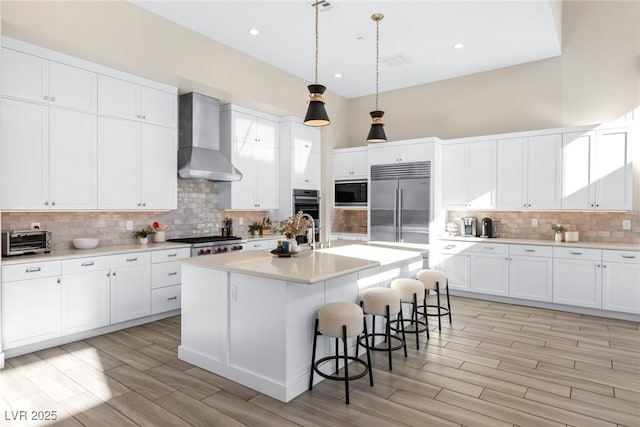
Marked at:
<point>53,98</point>
<point>597,205</point>
<point>591,204</point>
<point>113,274</point>
<point>306,180</point>
<point>58,281</point>
<point>53,203</point>
<point>139,204</point>
<point>46,203</point>
<point>108,274</point>
<point>144,117</point>
<point>144,204</point>
<point>46,97</point>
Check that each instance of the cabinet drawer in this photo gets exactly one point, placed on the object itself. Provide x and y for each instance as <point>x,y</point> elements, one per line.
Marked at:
<point>170,255</point>
<point>165,274</point>
<point>490,248</point>
<point>257,245</point>
<point>137,258</point>
<point>81,265</point>
<point>32,270</point>
<point>531,250</point>
<point>578,253</point>
<point>165,299</point>
<point>451,247</point>
<point>630,257</point>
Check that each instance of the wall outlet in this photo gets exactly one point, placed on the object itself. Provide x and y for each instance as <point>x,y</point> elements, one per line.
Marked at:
<point>626,224</point>
<point>129,225</point>
<point>534,222</point>
<point>240,220</point>
<point>35,226</point>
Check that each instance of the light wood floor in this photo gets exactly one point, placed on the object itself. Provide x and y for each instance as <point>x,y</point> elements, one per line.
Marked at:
<point>496,365</point>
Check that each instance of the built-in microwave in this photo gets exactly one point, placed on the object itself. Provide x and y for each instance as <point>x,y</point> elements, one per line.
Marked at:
<point>350,193</point>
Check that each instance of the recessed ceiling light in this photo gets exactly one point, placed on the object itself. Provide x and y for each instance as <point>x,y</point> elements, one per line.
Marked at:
<point>337,75</point>
<point>458,45</point>
<point>254,31</point>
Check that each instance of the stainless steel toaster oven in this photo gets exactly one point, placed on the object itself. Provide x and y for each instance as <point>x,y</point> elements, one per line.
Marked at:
<point>20,242</point>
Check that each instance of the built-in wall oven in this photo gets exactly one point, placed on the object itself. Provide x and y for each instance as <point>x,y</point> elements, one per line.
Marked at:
<point>308,201</point>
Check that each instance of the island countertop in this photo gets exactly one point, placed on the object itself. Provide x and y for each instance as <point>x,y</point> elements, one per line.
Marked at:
<point>310,266</point>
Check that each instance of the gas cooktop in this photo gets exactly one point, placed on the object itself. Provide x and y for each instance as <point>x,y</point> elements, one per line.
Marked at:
<point>204,239</point>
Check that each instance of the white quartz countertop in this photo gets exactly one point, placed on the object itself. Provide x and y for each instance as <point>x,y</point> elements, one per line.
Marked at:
<point>307,266</point>
<point>61,254</point>
<point>594,245</point>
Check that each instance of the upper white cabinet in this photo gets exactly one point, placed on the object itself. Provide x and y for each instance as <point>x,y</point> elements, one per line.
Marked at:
<point>596,170</point>
<point>398,152</point>
<point>350,163</point>
<point>469,175</point>
<point>299,155</point>
<point>528,171</point>
<point>250,141</point>
<point>123,99</point>
<point>36,79</point>
<point>136,166</point>
<point>60,145</point>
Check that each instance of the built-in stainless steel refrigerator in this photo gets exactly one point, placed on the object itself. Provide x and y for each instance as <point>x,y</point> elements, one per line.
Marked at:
<point>400,201</point>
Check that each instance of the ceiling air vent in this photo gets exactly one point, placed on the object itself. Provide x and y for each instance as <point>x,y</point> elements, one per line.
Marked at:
<point>397,59</point>
<point>323,5</point>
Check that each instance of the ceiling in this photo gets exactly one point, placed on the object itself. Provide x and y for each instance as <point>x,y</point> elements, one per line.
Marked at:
<point>416,37</point>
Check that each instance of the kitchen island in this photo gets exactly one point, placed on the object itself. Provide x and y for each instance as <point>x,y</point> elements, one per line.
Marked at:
<point>249,316</point>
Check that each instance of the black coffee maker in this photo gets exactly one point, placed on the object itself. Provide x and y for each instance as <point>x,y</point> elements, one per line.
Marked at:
<point>487,227</point>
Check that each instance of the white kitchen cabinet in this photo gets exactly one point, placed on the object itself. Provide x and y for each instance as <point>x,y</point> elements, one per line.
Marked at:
<point>127,100</point>
<point>61,148</point>
<point>577,277</point>
<point>303,144</point>
<point>621,281</point>
<point>85,294</point>
<point>250,141</point>
<point>36,79</point>
<point>262,244</point>
<point>531,272</point>
<point>380,154</point>
<point>350,163</point>
<point>489,269</point>
<point>136,165</point>
<point>528,172</point>
<point>130,286</point>
<point>166,279</point>
<point>596,170</point>
<point>30,303</point>
<point>469,175</point>
<point>453,259</point>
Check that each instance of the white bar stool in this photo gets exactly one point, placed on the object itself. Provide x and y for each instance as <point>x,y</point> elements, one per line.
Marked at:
<point>384,302</point>
<point>409,289</point>
<point>340,320</point>
<point>435,280</point>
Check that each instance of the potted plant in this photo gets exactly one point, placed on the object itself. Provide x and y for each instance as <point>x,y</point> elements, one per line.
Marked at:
<point>559,229</point>
<point>292,227</point>
<point>255,228</point>
<point>143,235</point>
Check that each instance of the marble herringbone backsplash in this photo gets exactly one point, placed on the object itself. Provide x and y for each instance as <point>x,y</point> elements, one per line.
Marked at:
<point>197,214</point>
<point>593,226</point>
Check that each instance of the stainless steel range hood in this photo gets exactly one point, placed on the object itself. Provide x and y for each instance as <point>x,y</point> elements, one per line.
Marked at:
<point>199,155</point>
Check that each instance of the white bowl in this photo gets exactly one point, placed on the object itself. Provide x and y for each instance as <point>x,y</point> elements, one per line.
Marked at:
<point>85,243</point>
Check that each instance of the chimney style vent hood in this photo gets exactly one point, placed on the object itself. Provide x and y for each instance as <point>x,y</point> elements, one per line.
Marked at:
<point>199,155</point>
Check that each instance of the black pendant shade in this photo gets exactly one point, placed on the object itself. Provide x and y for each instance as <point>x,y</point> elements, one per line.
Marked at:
<point>316,113</point>
<point>376,133</point>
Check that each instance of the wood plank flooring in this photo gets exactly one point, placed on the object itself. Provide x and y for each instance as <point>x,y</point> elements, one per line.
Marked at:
<point>495,365</point>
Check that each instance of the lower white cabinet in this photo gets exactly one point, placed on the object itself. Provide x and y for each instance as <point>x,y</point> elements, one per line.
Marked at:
<point>577,277</point>
<point>453,259</point>
<point>262,244</point>
<point>30,303</point>
<point>530,272</point>
<point>621,281</point>
<point>130,286</point>
<point>489,269</point>
<point>85,290</point>
<point>166,276</point>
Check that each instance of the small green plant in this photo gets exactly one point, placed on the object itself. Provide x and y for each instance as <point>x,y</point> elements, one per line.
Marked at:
<point>255,227</point>
<point>560,228</point>
<point>145,232</point>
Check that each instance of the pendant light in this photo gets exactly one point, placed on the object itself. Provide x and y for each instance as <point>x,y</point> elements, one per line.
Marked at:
<point>316,113</point>
<point>376,133</point>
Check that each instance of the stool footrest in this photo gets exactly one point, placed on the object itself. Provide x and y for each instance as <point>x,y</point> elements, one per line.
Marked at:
<point>316,368</point>
<point>398,346</point>
<point>444,311</point>
<point>422,328</point>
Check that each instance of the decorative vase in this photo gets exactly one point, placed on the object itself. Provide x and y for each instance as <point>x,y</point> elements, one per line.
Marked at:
<point>559,237</point>
<point>293,245</point>
<point>143,240</point>
<point>255,232</point>
<point>159,237</point>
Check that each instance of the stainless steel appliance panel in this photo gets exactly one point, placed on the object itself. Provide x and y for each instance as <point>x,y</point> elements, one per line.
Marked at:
<point>384,210</point>
<point>414,214</point>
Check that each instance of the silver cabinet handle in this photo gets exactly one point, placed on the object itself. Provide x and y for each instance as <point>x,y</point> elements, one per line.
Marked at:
<point>87,264</point>
<point>171,255</point>
<point>629,256</point>
<point>32,270</point>
<point>53,98</point>
<point>450,246</point>
<point>173,273</point>
<point>489,248</point>
<point>46,97</point>
<point>575,253</point>
<point>131,259</point>
<point>529,250</point>
<point>172,298</point>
